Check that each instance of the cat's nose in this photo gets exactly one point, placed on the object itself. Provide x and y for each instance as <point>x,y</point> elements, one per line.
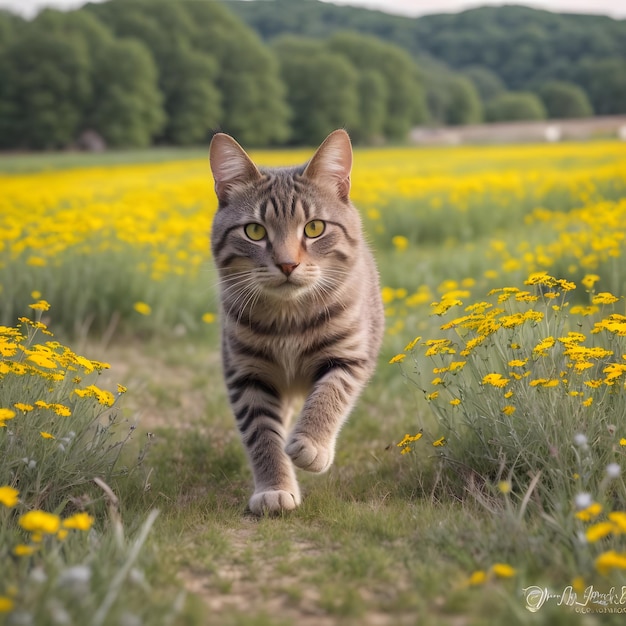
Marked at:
<point>287,268</point>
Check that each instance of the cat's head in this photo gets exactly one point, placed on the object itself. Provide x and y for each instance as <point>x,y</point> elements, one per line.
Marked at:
<point>285,232</point>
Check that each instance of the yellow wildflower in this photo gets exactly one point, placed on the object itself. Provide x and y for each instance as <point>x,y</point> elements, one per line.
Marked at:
<point>610,560</point>
<point>209,318</point>
<point>502,570</point>
<point>398,358</point>
<point>79,521</point>
<point>22,549</point>
<point>411,344</point>
<point>9,496</point>
<point>590,513</point>
<point>479,577</point>
<point>46,435</point>
<point>142,308</point>
<point>598,531</point>
<point>40,305</point>
<point>440,442</point>
<point>40,522</point>
<point>6,604</point>
<point>604,297</point>
<point>497,380</point>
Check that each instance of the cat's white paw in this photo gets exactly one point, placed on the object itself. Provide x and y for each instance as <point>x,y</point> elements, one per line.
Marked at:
<point>308,455</point>
<point>272,502</point>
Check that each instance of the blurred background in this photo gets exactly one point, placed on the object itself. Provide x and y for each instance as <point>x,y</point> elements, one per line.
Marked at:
<point>287,72</point>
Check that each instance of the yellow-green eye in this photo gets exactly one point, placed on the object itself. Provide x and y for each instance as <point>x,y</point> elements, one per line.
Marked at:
<point>314,229</point>
<point>256,232</point>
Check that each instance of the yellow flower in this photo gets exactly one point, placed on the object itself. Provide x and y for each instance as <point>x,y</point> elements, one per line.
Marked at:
<point>9,496</point>
<point>479,577</point>
<point>590,280</point>
<point>591,512</point>
<point>455,402</point>
<point>604,298</point>
<point>142,308</point>
<point>398,358</point>
<point>504,486</point>
<point>6,414</point>
<point>502,570</point>
<point>400,242</point>
<point>508,409</point>
<point>497,380</point>
<point>22,549</point>
<point>121,389</point>
<point>20,406</point>
<point>79,521</point>
<point>411,344</point>
<point>610,560</point>
<point>209,318</point>
<point>518,363</point>
<point>41,305</point>
<point>440,442</point>
<point>622,441</point>
<point>46,435</point>
<point>432,396</point>
<point>6,604</point>
<point>619,520</point>
<point>598,531</point>
<point>40,522</point>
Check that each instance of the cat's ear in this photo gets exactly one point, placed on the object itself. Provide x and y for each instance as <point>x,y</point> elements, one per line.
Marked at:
<point>330,166</point>
<point>231,166</point>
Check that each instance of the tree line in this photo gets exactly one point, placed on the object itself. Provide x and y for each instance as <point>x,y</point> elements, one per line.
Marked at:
<point>172,72</point>
<point>147,71</point>
<point>485,64</point>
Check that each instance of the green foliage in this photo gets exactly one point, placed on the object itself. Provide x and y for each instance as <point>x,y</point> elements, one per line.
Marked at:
<point>487,83</point>
<point>563,100</point>
<point>405,104</point>
<point>44,86</point>
<point>126,108</point>
<point>604,80</point>
<point>515,106</point>
<point>513,46</point>
<point>321,87</point>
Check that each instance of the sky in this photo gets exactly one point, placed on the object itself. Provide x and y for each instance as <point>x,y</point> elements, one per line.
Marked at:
<point>614,8</point>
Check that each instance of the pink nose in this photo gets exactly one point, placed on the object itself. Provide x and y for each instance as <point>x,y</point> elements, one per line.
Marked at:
<point>287,268</point>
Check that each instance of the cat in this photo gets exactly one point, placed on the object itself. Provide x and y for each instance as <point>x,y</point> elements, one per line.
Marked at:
<point>301,311</point>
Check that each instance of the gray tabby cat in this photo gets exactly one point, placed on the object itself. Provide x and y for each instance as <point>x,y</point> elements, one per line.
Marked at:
<point>302,317</point>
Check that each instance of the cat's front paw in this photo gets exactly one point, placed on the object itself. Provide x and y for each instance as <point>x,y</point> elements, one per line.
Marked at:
<point>309,455</point>
<point>272,502</point>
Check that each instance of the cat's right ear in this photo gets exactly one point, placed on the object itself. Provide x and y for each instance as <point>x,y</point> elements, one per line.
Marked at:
<point>231,166</point>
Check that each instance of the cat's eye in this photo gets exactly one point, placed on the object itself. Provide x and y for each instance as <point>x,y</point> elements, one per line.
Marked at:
<point>256,232</point>
<point>314,229</point>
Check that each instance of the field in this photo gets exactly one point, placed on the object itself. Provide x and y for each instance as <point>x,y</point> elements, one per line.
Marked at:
<point>480,473</point>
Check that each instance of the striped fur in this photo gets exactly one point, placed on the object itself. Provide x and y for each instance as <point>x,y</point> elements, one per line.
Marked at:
<point>302,318</point>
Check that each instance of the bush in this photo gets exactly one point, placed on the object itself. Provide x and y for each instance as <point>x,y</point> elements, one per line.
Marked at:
<point>515,106</point>
<point>563,100</point>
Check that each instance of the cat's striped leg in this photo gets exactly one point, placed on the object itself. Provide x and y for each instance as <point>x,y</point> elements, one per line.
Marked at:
<point>258,411</point>
<point>311,445</point>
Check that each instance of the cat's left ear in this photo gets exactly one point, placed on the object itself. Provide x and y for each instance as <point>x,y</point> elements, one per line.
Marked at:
<point>231,166</point>
<point>331,165</point>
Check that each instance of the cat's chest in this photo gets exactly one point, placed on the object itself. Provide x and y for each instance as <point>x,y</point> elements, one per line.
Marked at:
<point>288,355</point>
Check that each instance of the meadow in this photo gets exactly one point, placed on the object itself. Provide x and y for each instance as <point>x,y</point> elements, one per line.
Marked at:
<point>479,479</point>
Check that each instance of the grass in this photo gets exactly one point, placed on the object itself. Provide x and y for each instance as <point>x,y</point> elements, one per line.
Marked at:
<point>441,534</point>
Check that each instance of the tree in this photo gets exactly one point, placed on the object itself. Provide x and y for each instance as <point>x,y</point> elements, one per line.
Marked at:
<point>463,105</point>
<point>604,81</point>
<point>373,95</point>
<point>487,83</point>
<point>515,106</point>
<point>405,105</point>
<point>562,100</point>
<point>192,100</point>
<point>44,86</point>
<point>201,48</point>
<point>126,108</point>
<point>321,87</point>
